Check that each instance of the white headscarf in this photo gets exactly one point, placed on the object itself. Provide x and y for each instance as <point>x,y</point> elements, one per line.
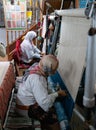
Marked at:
<point>30,35</point>
<point>28,39</point>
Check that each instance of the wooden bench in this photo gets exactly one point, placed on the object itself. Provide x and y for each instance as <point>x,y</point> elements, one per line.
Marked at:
<point>6,88</point>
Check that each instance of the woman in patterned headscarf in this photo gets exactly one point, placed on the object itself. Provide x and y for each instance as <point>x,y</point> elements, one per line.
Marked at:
<point>33,98</point>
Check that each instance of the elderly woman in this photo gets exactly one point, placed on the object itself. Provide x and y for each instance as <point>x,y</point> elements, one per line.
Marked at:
<point>28,48</point>
<point>33,98</point>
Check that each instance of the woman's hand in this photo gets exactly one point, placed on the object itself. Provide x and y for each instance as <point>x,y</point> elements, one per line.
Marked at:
<point>62,93</point>
<point>42,54</point>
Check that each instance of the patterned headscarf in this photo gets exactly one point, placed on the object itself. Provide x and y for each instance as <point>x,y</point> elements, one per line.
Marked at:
<point>49,64</point>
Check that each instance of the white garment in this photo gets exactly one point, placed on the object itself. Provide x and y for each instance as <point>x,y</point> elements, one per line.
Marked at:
<point>44,26</point>
<point>33,90</point>
<point>44,47</point>
<point>29,50</point>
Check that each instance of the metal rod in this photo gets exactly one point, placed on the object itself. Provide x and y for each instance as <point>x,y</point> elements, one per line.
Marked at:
<point>88,98</point>
<point>83,118</point>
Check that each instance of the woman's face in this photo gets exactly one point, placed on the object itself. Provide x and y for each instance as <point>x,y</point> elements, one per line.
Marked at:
<point>34,41</point>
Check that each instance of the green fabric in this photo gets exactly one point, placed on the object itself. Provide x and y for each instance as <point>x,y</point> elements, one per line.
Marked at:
<point>39,38</point>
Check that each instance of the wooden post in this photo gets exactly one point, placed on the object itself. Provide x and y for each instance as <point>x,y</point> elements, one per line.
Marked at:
<point>76,3</point>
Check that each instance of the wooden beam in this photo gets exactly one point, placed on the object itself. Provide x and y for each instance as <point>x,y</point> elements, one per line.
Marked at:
<point>76,3</point>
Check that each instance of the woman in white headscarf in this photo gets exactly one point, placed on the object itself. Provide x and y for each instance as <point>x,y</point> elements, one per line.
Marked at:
<point>28,48</point>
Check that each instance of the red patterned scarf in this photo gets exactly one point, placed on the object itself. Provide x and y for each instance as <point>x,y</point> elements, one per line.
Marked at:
<point>37,70</point>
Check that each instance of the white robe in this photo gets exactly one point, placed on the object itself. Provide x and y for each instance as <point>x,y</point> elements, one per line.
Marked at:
<point>29,50</point>
<point>33,90</point>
